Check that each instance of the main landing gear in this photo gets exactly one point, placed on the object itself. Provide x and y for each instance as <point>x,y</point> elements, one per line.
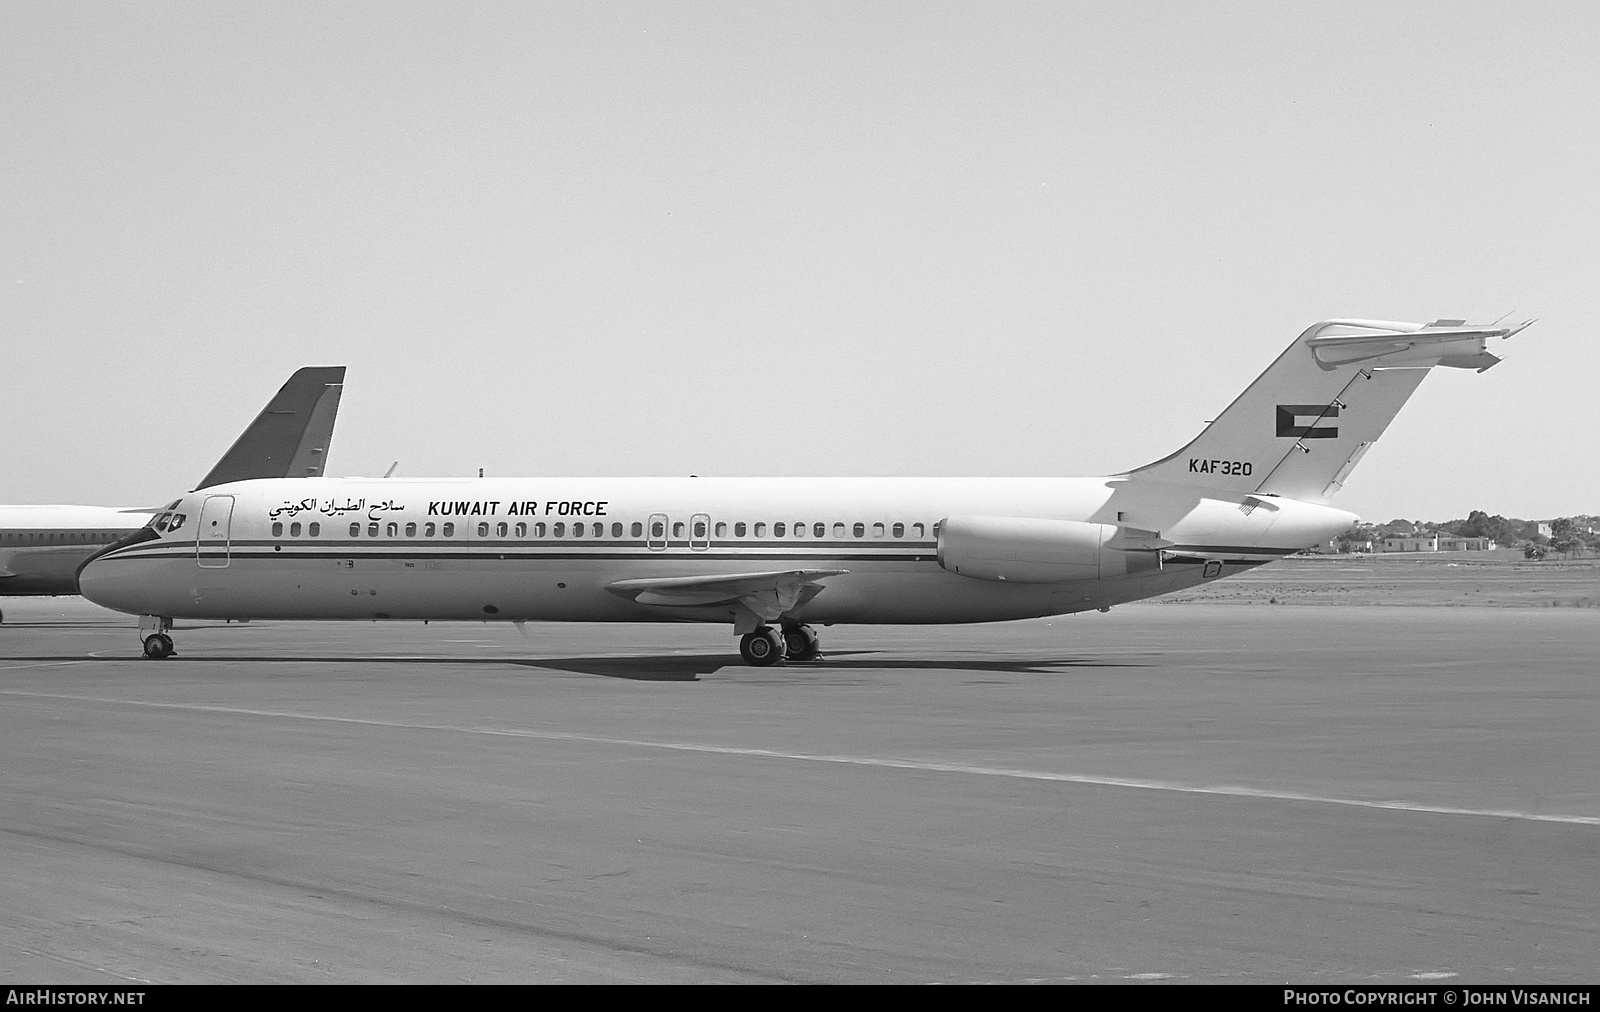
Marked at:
<point>767,646</point>
<point>153,631</point>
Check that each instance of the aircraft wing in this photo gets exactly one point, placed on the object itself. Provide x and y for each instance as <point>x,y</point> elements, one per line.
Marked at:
<point>765,595</point>
<point>290,438</point>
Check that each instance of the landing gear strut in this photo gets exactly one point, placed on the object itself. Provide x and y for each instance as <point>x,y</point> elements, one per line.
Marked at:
<point>801,643</point>
<point>153,631</point>
<point>761,648</point>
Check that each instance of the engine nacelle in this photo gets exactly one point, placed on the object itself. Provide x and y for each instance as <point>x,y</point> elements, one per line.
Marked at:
<point>1022,550</point>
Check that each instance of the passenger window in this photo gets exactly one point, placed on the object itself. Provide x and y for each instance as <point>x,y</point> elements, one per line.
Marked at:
<point>294,529</point>
<point>501,529</point>
<point>722,529</point>
<point>899,530</point>
<point>428,530</point>
<point>699,529</point>
<point>277,530</point>
<point>372,529</point>
<point>411,529</point>
<point>799,529</point>
<point>355,530</point>
<point>559,530</point>
<point>916,530</point>
<point>658,530</point>
<point>577,530</point>
<point>393,530</point>
<point>449,530</point>
<point>739,529</point>
<point>877,530</point>
<point>638,529</point>
<point>483,530</point>
<point>677,529</point>
<point>522,530</point>
<point>315,529</point>
<point>819,530</point>
<point>616,530</point>
<point>859,530</point>
<point>761,530</point>
<point>538,530</point>
<point>838,530</point>
<point>777,530</point>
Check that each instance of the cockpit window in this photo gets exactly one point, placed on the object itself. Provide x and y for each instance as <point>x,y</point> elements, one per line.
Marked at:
<point>176,522</point>
<point>160,522</point>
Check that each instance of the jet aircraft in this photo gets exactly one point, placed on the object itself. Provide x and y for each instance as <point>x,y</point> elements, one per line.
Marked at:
<point>775,557</point>
<point>42,547</point>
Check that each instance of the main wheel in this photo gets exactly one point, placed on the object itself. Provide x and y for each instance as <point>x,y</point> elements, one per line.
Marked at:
<point>761,648</point>
<point>158,646</point>
<point>801,643</point>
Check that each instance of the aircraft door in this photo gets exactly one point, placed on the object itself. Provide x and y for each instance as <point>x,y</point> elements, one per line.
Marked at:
<point>700,532</point>
<point>211,537</point>
<point>656,532</point>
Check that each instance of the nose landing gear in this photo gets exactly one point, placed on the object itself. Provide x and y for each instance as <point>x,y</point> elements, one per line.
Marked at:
<point>153,631</point>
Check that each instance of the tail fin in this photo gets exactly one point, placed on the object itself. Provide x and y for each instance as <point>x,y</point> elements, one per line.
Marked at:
<point>290,438</point>
<point>1303,425</point>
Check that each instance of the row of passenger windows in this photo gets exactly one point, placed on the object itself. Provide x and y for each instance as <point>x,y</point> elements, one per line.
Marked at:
<point>658,530</point>
<point>59,537</point>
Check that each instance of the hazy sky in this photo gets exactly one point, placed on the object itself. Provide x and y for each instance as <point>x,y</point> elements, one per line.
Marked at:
<point>769,238</point>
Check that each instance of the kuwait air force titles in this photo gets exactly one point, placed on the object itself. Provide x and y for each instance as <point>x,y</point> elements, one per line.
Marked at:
<point>775,556</point>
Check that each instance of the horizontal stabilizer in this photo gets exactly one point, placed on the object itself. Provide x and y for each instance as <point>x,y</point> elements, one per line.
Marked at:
<point>1389,345</point>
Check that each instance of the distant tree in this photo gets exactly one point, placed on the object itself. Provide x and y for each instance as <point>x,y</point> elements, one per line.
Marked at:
<point>1564,535</point>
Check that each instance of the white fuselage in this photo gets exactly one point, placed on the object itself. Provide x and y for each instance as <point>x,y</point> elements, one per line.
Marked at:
<point>380,548</point>
<point>41,547</point>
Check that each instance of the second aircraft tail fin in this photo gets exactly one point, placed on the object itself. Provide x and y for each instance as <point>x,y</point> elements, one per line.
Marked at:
<point>291,435</point>
<point>1304,424</point>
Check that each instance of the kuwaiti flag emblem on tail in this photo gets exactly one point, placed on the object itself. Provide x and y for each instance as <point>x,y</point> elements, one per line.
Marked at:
<point>1304,421</point>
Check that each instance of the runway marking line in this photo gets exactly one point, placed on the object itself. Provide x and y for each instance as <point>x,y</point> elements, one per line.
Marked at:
<point>880,762</point>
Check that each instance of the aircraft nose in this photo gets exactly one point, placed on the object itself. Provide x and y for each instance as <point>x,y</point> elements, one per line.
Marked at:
<point>105,579</point>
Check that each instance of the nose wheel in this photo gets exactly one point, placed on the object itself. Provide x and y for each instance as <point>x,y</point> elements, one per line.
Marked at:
<point>761,648</point>
<point>153,634</point>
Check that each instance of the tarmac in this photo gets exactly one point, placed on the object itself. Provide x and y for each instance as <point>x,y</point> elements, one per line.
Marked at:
<point>1194,793</point>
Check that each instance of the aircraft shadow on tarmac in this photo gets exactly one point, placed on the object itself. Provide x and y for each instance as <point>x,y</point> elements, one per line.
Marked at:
<point>664,667</point>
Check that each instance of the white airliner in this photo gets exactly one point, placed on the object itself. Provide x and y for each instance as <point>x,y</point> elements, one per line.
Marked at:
<point>775,556</point>
<point>42,547</point>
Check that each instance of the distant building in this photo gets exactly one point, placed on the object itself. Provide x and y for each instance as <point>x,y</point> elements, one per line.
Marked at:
<point>1545,529</point>
<point>1411,543</point>
<point>1433,541</point>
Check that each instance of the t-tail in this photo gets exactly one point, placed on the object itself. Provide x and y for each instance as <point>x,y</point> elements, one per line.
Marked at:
<point>1303,425</point>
